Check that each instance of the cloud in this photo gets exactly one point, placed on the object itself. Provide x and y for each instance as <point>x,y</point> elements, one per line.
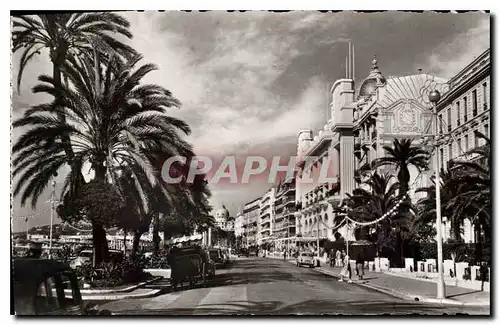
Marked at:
<point>226,129</point>
<point>451,57</point>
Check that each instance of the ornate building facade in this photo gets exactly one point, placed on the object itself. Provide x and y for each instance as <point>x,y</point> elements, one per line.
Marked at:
<point>365,120</point>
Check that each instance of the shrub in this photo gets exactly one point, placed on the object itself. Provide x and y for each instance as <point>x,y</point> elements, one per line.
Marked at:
<point>113,274</point>
<point>158,261</point>
<point>64,254</point>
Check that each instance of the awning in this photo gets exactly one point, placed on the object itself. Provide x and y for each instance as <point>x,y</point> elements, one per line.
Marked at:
<point>304,239</point>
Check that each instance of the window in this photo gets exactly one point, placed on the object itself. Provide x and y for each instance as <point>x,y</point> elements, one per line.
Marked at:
<point>466,140</point>
<point>474,102</point>
<point>441,154</point>
<point>458,113</point>
<point>476,140</point>
<point>449,119</point>
<point>459,145</point>
<point>465,109</point>
<point>440,122</point>
<point>486,130</point>
<point>450,151</point>
<point>485,96</point>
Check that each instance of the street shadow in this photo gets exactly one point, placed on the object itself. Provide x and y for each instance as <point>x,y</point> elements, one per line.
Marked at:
<point>313,307</point>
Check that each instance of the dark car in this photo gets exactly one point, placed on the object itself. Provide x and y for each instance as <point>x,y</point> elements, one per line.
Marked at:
<point>216,256</point>
<point>243,252</point>
<point>190,264</point>
<point>47,287</point>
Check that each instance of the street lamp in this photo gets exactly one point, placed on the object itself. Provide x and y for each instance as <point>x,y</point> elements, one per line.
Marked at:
<point>434,97</point>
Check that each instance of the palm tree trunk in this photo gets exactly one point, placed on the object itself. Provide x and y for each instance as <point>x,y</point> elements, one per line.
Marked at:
<point>101,252</point>
<point>98,232</point>
<point>156,236</point>
<point>135,244</point>
<point>124,242</point>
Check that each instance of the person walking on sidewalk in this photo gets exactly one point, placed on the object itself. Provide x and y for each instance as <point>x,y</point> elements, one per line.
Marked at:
<point>338,258</point>
<point>360,263</point>
<point>346,271</point>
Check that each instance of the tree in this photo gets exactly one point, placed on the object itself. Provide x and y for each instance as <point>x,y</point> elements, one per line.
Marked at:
<point>99,203</point>
<point>402,155</point>
<point>67,36</point>
<point>115,128</point>
<point>369,205</point>
<point>474,199</point>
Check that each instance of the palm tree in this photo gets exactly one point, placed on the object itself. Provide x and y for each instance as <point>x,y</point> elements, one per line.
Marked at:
<point>68,36</point>
<point>115,128</point>
<point>474,199</point>
<point>449,190</point>
<point>402,155</point>
<point>368,205</point>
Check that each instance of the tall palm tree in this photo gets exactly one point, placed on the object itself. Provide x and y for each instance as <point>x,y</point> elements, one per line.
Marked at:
<point>449,190</point>
<point>402,155</point>
<point>116,127</point>
<point>474,200</point>
<point>368,205</point>
<point>68,36</point>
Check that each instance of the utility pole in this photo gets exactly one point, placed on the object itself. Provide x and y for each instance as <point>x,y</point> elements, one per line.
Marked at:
<point>434,97</point>
<point>52,208</point>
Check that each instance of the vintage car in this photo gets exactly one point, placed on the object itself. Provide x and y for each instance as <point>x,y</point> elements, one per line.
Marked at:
<point>243,252</point>
<point>217,256</point>
<point>47,287</point>
<point>85,256</point>
<point>306,258</point>
<point>191,265</point>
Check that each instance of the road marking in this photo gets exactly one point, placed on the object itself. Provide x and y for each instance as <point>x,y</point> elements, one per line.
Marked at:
<point>225,298</point>
<point>163,301</point>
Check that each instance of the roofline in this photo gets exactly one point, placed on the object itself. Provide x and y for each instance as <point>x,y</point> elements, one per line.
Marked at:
<point>468,66</point>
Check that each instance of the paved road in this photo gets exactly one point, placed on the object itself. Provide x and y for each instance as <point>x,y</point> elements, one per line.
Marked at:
<point>266,286</point>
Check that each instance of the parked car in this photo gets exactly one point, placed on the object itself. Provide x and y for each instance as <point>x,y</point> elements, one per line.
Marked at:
<point>306,258</point>
<point>253,252</point>
<point>190,264</point>
<point>216,256</point>
<point>47,287</point>
<point>86,256</point>
<point>243,252</point>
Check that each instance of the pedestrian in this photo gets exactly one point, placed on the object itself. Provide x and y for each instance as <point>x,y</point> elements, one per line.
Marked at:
<point>338,258</point>
<point>332,258</point>
<point>346,271</point>
<point>284,255</point>
<point>360,263</point>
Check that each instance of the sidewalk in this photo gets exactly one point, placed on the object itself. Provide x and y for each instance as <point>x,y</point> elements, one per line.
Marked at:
<point>137,293</point>
<point>412,289</point>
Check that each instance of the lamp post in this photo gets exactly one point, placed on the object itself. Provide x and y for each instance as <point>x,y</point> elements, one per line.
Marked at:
<point>434,97</point>
<point>52,208</point>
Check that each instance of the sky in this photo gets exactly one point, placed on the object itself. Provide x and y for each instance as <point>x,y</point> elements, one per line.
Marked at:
<point>248,82</point>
